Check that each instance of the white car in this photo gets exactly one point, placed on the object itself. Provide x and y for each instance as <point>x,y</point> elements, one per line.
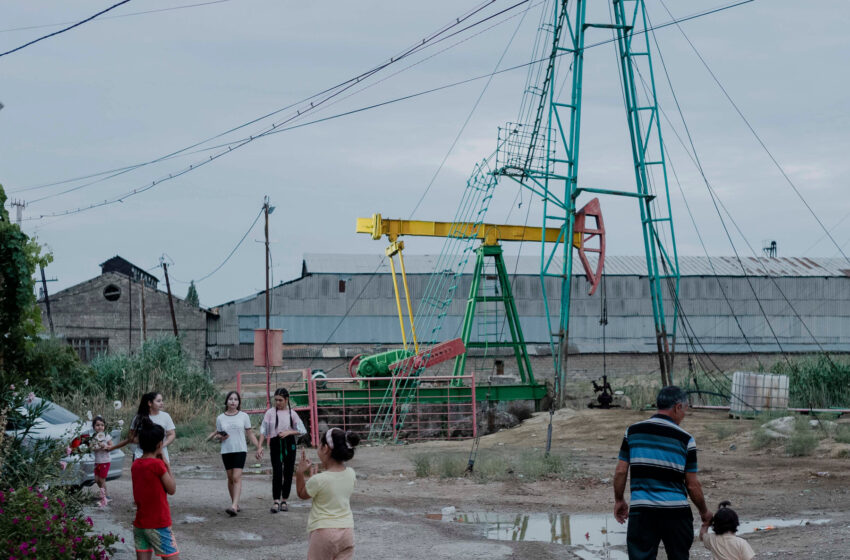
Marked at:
<point>61,424</point>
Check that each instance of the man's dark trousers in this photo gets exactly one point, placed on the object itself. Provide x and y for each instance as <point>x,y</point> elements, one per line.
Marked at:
<point>650,526</point>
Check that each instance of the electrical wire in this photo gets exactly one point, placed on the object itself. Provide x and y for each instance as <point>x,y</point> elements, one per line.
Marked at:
<point>758,137</point>
<point>79,23</point>
<point>42,26</point>
<point>184,151</point>
<point>331,93</point>
<point>230,254</point>
<point>276,128</point>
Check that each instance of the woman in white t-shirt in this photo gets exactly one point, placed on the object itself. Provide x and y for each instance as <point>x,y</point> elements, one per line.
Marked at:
<point>281,426</point>
<point>150,408</point>
<point>231,427</point>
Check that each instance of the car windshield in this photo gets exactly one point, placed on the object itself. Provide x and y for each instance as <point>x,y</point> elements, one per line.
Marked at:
<point>53,413</point>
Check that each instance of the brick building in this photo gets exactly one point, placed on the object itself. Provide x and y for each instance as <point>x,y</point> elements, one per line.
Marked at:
<point>105,314</point>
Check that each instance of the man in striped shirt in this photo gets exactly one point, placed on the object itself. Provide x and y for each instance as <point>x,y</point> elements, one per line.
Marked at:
<point>663,462</point>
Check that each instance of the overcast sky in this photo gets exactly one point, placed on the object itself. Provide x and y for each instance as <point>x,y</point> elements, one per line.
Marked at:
<point>120,91</point>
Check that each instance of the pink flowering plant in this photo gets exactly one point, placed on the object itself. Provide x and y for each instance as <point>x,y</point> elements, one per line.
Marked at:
<point>36,524</point>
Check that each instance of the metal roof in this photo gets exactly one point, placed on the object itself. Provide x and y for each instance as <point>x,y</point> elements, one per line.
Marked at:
<point>817,267</point>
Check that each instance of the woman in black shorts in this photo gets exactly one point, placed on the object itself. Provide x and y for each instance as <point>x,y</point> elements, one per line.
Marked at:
<point>231,428</point>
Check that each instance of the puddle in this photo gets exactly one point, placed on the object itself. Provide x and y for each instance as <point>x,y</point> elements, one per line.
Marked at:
<point>771,524</point>
<point>239,536</point>
<point>590,536</point>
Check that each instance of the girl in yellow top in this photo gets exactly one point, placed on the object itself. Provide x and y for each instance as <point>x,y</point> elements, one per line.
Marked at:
<point>331,524</point>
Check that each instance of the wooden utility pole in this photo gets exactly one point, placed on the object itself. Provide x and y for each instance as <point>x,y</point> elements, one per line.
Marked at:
<point>170,300</point>
<point>130,314</point>
<point>144,316</point>
<point>46,300</point>
<point>266,341</point>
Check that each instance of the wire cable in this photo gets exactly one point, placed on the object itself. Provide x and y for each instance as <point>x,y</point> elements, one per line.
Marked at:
<point>42,26</point>
<point>758,138</point>
<point>79,23</point>
<point>275,128</point>
<point>227,258</point>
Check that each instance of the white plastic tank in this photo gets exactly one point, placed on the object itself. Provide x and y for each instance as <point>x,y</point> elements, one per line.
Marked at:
<point>755,392</point>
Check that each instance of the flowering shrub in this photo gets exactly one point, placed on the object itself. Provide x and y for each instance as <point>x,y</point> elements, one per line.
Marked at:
<point>35,525</point>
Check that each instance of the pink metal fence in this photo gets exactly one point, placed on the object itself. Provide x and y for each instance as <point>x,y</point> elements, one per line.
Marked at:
<point>413,409</point>
<point>424,408</point>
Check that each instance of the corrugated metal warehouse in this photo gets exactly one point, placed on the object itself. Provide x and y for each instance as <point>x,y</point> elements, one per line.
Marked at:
<point>343,305</point>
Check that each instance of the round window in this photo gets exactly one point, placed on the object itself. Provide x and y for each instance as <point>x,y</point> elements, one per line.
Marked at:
<point>112,292</point>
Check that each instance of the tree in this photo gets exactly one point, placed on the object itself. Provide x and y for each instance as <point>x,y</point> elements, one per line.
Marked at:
<point>192,295</point>
<point>20,317</point>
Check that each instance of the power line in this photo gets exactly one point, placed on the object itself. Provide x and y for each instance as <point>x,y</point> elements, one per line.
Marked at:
<point>230,254</point>
<point>42,26</point>
<point>332,92</point>
<point>758,138</point>
<point>276,127</point>
<point>79,23</point>
<point>183,152</point>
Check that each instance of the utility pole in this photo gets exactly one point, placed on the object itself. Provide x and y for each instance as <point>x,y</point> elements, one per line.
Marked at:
<point>19,211</point>
<point>46,301</point>
<point>266,341</point>
<point>170,300</point>
<point>144,316</point>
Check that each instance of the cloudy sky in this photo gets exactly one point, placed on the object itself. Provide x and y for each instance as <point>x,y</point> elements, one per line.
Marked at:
<point>130,88</point>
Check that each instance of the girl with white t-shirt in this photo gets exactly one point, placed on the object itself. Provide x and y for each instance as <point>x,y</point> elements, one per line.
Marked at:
<point>231,427</point>
<point>150,407</point>
<point>281,425</point>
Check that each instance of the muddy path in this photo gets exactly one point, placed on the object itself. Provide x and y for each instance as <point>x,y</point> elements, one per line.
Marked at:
<point>390,503</point>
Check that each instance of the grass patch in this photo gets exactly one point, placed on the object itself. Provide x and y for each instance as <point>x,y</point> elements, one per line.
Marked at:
<point>422,465</point>
<point>722,430</point>
<point>842,434</point>
<point>451,466</point>
<point>761,439</point>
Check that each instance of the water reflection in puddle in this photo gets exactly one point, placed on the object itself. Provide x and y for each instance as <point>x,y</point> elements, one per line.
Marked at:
<point>590,536</point>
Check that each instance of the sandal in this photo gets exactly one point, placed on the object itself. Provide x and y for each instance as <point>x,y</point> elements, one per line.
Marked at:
<point>283,507</point>
<point>230,511</point>
<point>275,508</point>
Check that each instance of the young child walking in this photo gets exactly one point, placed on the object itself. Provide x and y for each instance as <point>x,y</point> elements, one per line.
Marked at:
<point>152,479</point>
<point>724,544</point>
<point>331,524</point>
<point>101,442</point>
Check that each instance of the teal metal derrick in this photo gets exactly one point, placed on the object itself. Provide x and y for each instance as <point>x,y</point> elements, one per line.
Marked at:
<point>559,188</point>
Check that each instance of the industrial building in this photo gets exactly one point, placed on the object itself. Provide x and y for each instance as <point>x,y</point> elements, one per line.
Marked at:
<point>117,310</point>
<point>344,305</point>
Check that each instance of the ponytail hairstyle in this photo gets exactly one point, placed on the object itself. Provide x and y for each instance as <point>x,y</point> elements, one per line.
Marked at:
<point>144,412</point>
<point>342,443</point>
<point>725,520</point>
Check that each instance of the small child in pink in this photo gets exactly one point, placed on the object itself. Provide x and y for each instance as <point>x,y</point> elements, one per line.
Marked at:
<point>100,444</point>
<point>724,544</point>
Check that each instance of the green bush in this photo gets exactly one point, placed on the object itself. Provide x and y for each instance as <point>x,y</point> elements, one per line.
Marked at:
<point>160,365</point>
<point>35,524</point>
<point>801,443</point>
<point>451,466</point>
<point>54,368</point>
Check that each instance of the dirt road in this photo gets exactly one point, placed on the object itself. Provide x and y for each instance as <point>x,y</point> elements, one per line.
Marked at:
<point>542,520</point>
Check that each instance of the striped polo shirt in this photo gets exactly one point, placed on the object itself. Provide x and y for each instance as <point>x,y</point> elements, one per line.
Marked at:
<point>659,454</point>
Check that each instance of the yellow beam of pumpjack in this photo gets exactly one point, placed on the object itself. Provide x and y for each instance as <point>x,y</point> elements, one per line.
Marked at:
<point>490,234</point>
